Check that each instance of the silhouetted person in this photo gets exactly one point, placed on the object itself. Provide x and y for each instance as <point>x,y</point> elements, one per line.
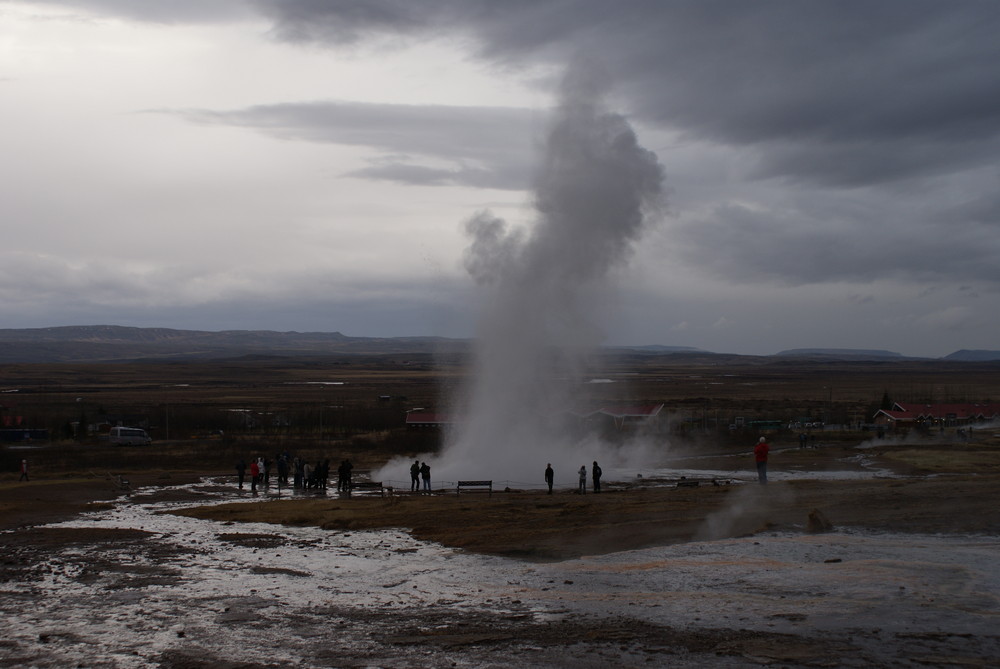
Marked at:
<point>596,474</point>
<point>282,470</point>
<point>549,476</point>
<point>760,456</point>
<point>342,477</point>
<point>348,475</point>
<point>241,472</point>
<point>425,474</point>
<point>415,476</point>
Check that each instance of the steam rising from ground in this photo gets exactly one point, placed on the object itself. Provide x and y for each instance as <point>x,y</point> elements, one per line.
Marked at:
<point>544,291</point>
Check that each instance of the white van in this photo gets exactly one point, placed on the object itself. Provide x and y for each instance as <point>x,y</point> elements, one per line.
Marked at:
<point>128,436</point>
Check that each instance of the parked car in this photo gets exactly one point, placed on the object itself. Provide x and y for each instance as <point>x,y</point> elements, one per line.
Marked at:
<point>128,436</point>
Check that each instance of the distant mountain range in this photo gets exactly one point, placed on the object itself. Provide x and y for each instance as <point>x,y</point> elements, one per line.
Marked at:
<point>857,353</point>
<point>114,343</point>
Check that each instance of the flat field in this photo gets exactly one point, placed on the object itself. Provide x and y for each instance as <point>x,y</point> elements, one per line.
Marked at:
<point>940,484</point>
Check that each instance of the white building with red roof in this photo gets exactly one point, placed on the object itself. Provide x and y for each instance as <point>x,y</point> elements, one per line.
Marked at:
<point>914,414</point>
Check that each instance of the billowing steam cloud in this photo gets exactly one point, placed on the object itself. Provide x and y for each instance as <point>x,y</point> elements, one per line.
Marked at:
<point>595,192</point>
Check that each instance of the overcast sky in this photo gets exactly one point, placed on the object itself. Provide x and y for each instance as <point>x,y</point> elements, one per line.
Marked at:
<point>831,168</point>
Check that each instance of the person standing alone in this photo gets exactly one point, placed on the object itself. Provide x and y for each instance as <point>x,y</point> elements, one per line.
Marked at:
<point>549,476</point>
<point>760,456</point>
<point>24,471</point>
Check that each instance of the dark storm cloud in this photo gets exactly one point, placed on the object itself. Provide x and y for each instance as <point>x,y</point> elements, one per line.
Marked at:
<point>811,245</point>
<point>852,140</point>
<point>485,147</point>
<point>863,135</point>
<point>837,94</point>
<point>792,79</point>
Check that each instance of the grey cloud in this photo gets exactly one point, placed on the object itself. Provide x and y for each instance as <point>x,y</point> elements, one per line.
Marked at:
<point>170,12</point>
<point>346,22</point>
<point>892,105</point>
<point>862,122</point>
<point>794,80</point>
<point>983,205</point>
<point>852,164</point>
<point>800,247</point>
<point>46,290</point>
<point>419,175</point>
<point>487,147</point>
<point>758,74</point>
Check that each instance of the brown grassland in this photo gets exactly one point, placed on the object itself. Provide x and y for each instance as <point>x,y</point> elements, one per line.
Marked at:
<point>354,407</point>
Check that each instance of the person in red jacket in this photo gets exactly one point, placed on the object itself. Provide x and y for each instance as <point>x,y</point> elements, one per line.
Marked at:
<point>254,475</point>
<point>760,455</point>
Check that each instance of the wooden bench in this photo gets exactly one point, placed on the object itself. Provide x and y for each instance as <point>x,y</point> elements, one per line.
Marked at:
<point>694,483</point>
<point>367,486</point>
<point>475,485</point>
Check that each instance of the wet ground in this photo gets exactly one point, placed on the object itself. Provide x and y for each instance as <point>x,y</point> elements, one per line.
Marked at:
<point>129,586</point>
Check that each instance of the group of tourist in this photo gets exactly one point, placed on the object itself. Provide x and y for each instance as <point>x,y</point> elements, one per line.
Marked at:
<point>420,471</point>
<point>304,476</point>
<point>595,473</point>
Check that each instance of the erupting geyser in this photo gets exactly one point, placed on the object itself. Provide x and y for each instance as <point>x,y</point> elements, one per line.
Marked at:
<point>541,288</point>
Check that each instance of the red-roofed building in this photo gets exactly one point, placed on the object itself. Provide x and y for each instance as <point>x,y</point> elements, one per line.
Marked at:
<point>946,415</point>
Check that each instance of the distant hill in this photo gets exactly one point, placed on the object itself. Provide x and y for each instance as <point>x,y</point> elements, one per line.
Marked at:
<point>852,353</point>
<point>114,343</point>
<point>658,349</point>
<point>966,355</point>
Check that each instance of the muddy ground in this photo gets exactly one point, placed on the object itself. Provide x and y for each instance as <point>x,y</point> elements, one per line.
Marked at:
<point>941,490</point>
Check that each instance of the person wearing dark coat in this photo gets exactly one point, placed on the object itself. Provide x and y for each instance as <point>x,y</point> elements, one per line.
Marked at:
<point>596,475</point>
<point>342,477</point>
<point>425,474</point>
<point>326,474</point>
<point>349,469</point>
<point>415,476</point>
<point>549,476</point>
<point>282,470</point>
<point>241,472</point>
